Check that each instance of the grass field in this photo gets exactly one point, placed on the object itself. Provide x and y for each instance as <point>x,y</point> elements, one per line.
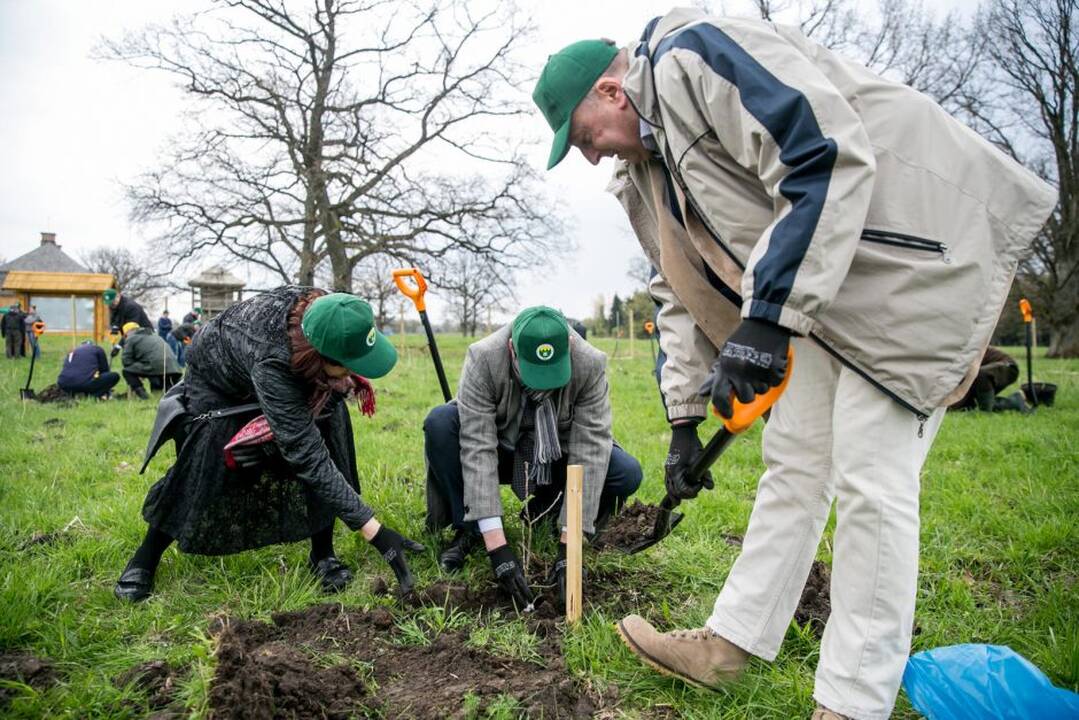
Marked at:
<point>1000,547</point>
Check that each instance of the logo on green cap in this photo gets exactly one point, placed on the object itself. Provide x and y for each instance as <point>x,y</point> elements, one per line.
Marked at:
<point>545,352</point>
<point>371,337</point>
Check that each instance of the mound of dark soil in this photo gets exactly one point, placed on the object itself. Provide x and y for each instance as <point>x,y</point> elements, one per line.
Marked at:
<point>53,394</point>
<point>273,670</point>
<point>634,524</point>
<point>26,669</point>
<point>815,605</point>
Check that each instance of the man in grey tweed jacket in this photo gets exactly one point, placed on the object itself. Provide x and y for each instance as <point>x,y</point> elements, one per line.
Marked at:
<point>533,398</point>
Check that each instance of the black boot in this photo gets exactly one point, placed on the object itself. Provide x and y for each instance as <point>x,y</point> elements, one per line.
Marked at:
<point>456,553</point>
<point>333,574</point>
<point>140,393</point>
<point>135,584</point>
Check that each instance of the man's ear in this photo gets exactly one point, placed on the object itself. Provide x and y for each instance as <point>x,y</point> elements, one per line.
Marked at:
<point>609,89</point>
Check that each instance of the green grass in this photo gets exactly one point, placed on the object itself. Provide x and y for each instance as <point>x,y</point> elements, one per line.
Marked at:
<point>999,547</point>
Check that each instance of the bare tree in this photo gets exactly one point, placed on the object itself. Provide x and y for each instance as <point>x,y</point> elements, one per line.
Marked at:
<point>477,284</point>
<point>1034,113</point>
<point>372,279</point>
<point>133,275</point>
<point>354,128</point>
<point>640,271</point>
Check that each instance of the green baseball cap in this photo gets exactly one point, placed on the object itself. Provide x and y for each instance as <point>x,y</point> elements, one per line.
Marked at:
<point>342,328</point>
<point>541,341</point>
<point>565,81</point>
<point>109,295</point>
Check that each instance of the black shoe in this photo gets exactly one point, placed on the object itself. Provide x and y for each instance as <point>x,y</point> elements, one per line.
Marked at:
<point>140,393</point>
<point>456,553</point>
<point>135,584</point>
<point>332,573</point>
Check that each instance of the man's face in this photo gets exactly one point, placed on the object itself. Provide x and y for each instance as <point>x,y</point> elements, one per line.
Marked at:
<point>605,124</point>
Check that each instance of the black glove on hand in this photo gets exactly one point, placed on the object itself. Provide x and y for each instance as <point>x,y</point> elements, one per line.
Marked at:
<point>685,447</point>
<point>115,351</point>
<point>250,456</point>
<point>392,546</point>
<point>753,359</point>
<point>556,578</point>
<point>510,576</point>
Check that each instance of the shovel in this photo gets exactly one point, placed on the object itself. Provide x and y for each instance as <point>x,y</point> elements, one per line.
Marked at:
<point>744,415</point>
<point>1028,318</point>
<point>27,393</point>
<point>415,292</point>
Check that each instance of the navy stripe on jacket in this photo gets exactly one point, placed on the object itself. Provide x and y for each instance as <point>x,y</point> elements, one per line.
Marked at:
<point>788,117</point>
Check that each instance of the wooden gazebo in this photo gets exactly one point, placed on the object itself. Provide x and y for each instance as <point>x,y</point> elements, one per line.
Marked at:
<point>67,296</point>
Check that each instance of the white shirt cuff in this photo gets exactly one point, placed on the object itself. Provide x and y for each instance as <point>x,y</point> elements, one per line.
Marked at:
<point>490,523</point>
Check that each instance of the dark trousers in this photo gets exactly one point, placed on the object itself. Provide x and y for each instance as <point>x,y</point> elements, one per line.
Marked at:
<point>157,380</point>
<point>94,388</point>
<point>442,443</point>
<point>13,344</point>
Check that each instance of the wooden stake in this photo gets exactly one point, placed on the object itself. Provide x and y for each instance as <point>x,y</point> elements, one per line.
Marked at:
<point>574,542</point>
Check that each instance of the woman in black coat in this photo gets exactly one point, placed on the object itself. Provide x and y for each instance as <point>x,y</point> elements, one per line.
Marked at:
<point>293,351</point>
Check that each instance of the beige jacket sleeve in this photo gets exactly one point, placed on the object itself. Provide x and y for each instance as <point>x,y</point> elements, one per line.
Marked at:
<point>689,354</point>
<point>781,119</point>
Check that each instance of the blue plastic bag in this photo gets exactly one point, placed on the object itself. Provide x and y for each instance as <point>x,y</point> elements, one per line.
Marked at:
<point>975,682</point>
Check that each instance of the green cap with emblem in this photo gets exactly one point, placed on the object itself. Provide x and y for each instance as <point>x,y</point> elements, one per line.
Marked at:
<point>541,341</point>
<point>109,295</point>
<point>566,79</point>
<point>342,328</point>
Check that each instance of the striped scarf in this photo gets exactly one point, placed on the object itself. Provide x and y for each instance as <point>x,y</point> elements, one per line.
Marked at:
<point>546,448</point>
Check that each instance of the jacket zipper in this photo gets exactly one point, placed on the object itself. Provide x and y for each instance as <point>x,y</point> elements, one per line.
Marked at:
<point>909,242</point>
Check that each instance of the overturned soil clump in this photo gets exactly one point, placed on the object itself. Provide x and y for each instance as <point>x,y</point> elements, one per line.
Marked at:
<point>26,669</point>
<point>331,662</point>
<point>815,605</point>
<point>634,524</point>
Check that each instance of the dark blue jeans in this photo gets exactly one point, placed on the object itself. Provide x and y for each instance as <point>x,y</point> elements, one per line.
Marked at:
<point>442,444</point>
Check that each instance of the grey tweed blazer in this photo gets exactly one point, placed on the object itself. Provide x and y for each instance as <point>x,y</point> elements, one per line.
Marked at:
<point>489,399</point>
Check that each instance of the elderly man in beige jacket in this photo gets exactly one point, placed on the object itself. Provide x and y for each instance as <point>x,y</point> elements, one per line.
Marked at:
<point>790,198</point>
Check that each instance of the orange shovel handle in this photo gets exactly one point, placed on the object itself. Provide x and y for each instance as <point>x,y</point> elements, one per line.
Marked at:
<point>1028,312</point>
<point>413,292</point>
<point>745,414</point>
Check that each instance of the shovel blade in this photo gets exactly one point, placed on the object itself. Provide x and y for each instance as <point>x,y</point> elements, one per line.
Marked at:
<point>26,394</point>
<point>666,521</point>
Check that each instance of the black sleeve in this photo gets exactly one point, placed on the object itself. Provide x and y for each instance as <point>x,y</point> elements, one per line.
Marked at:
<point>285,406</point>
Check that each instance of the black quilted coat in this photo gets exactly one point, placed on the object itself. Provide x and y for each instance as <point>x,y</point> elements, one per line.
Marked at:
<point>243,356</point>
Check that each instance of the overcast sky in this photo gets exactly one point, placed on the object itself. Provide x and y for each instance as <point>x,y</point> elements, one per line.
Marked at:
<point>74,128</point>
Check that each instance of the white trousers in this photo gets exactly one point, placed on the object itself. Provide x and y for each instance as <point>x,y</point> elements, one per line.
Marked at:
<point>832,435</point>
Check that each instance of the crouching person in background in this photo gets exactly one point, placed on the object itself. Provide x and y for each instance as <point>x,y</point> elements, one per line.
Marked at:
<point>86,372</point>
<point>533,398</point>
<point>147,356</point>
<point>265,440</point>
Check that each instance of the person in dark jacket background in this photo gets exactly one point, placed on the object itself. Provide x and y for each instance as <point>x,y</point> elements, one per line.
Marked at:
<point>997,371</point>
<point>86,372</point>
<point>147,356</point>
<point>179,339</point>
<point>124,310</point>
<point>164,325</point>
<point>298,353</point>
<point>11,327</point>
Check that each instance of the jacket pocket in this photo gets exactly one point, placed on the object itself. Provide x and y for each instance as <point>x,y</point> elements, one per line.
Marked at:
<point>909,242</point>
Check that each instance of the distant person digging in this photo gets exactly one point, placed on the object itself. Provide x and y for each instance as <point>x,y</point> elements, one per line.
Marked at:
<point>12,327</point>
<point>147,356</point>
<point>997,371</point>
<point>533,397</point>
<point>86,372</point>
<point>179,339</point>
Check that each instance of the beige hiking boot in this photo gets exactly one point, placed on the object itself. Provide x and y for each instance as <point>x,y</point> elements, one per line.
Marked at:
<point>699,656</point>
<point>823,713</point>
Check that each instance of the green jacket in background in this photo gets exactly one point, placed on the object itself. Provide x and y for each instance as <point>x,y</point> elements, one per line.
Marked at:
<point>147,354</point>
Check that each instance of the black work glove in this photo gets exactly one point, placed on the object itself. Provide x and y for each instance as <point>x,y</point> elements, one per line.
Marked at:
<point>684,449</point>
<point>392,545</point>
<point>753,359</point>
<point>115,351</point>
<point>556,578</point>
<point>511,577</point>
<point>251,456</point>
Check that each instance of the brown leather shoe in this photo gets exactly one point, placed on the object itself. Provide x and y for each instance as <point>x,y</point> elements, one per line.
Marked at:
<point>698,656</point>
<point>823,713</point>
